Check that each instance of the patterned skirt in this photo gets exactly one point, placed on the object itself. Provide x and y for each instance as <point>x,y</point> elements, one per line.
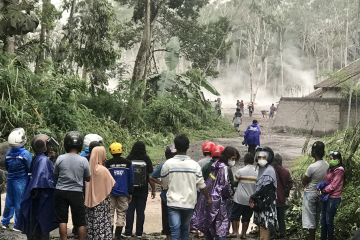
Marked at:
<point>99,221</point>
<point>267,218</point>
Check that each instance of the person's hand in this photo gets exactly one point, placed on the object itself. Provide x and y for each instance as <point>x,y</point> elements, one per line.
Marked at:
<point>153,194</point>
<point>129,198</point>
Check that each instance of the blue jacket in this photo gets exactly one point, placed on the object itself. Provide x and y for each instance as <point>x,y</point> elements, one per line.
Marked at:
<point>17,163</point>
<point>252,135</point>
<point>122,171</point>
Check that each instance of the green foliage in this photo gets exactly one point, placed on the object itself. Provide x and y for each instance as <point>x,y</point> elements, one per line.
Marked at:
<point>347,219</point>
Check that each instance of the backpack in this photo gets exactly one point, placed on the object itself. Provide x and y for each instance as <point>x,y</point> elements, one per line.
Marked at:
<point>140,173</point>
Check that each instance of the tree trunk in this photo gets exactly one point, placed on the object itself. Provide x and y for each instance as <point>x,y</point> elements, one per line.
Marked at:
<point>265,72</point>
<point>346,34</point>
<point>281,61</point>
<point>41,53</point>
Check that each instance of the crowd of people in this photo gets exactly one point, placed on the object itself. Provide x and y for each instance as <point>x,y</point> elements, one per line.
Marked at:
<point>205,197</point>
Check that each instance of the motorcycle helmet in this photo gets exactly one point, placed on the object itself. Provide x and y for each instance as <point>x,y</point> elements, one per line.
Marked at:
<point>217,151</point>
<point>91,137</point>
<point>17,137</point>
<point>116,148</point>
<point>207,146</point>
<point>264,156</point>
<point>73,140</point>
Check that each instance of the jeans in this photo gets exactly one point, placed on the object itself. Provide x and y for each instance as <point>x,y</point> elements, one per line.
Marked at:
<point>328,213</point>
<point>179,220</point>
<point>14,191</point>
<point>281,210</point>
<point>138,204</point>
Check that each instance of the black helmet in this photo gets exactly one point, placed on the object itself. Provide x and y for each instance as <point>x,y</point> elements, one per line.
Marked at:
<point>318,149</point>
<point>38,143</point>
<point>335,155</point>
<point>73,140</point>
<point>268,150</point>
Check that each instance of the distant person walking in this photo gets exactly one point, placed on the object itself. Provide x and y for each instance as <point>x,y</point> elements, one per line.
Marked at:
<point>241,106</point>
<point>143,167</point>
<point>284,185</point>
<point>246,177</point>
<point>315,173</point>
<point>70,172</point>
<point>97,197</point>
<point>252,136</point>
<point>237,120</point>
<point>334,180</point>
<point>182,176</point>
<point>272,111</point>
<point>263,201</point>
<point>17,164</point>
<point>251,109</point>
<point>122,171</point>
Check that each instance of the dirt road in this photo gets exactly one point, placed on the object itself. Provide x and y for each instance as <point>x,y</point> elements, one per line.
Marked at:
<point>288,145</point>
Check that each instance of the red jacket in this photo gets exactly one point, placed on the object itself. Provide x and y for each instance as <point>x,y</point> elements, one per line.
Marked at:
<point>284,184</point>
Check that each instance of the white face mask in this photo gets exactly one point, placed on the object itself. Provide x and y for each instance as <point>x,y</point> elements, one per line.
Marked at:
<point>231,163</point>
<point>262,162</point>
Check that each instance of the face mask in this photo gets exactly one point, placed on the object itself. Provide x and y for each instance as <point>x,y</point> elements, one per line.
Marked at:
<point>333,162</point>
<point>262,162</point>
<point>231,163</point>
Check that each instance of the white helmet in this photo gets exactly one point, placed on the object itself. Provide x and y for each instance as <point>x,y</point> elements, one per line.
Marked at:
<point>17,137</point>
<point>92,138</point>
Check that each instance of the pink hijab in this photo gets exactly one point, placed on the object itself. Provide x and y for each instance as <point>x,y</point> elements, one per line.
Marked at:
<point>101,181</point>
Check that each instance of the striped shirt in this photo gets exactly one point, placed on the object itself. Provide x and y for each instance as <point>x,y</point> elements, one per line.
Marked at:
<point>181,176</point>
<point>246,187</point>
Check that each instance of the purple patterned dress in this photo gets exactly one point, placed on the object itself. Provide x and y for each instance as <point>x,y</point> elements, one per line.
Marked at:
<point>213,220</point>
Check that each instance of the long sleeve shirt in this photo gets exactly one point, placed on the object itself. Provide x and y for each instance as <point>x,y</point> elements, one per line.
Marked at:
<point>335,180</point>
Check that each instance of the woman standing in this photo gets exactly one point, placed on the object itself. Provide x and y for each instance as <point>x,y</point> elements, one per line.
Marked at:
<point>142,168</point>
<point>335,181</point>
<point>214,220</point>
<point>263,201</point>
<point>97,200</point>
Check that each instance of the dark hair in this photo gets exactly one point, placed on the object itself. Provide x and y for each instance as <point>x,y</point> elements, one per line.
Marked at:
<point>227,154</point>
<point>255,121</point>
<point>169,152</point>
<point>181,143</point>
<point>94,144</point>
<point>138,151</point>
<point>238,156</point>
<point>318,149</point>
<point>249,158</point>
<point>277,160</point>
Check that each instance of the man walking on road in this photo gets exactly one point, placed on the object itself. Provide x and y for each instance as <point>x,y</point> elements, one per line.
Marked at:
<point>182,176</point>
<point>252,137</point>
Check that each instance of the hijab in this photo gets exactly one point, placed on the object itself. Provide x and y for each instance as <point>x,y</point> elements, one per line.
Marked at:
<point>101,181</point>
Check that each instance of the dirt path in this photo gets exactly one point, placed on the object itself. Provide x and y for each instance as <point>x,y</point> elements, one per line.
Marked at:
<point>289,146</point>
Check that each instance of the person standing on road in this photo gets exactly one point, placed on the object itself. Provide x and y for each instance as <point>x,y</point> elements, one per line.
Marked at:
<point>284,185</point>
<point>97,200</point>
<point>182,176</point>
<point>170,152</point>
<point>251,109</point>
<point>122,171</point>
<point>70,172</point>
<point>214,219</point>
<point>263,201</point>
<point>143,167</point>
<point>335,182</point>
<point>315,173</point>
<point>17,164</point>
<point>37,214</point>
<point>246,178</point>
<point>252,136</point>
